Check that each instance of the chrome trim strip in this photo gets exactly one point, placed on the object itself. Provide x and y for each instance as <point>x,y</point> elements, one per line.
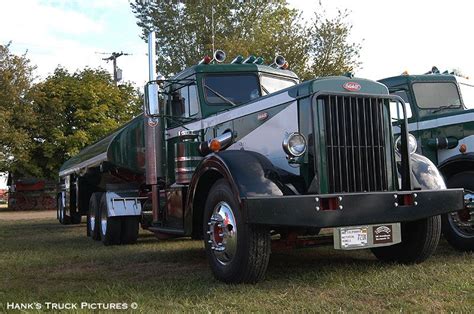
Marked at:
<point>185,169</point>
<point>187,158</point>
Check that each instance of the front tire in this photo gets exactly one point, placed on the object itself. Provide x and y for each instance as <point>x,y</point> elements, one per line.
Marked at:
<point>456,227</point>
<point>110,227</point>
<point>237,252</point>
<point>419,241</point>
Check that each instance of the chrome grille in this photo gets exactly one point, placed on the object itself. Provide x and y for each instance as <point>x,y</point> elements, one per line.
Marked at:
<point>355,136</point>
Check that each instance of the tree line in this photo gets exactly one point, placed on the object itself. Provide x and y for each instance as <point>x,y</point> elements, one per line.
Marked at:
<point>45,122</point>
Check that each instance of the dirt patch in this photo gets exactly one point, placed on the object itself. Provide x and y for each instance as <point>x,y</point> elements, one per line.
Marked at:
<point>27,215</point>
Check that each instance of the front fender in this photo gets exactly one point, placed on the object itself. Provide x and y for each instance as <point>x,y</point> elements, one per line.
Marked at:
<point>425,175</point>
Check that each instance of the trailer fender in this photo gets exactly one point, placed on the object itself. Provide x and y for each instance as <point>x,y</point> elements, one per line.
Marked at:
<point>425,174</point>
<point>457,164</point>
<point>248,173</point>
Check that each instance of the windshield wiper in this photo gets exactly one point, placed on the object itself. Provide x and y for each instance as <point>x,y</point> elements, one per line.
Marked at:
<point>264,89</point>
<point>446,107</point>
<point>220,96</point>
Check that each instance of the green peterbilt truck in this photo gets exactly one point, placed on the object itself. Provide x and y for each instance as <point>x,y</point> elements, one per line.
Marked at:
<point>246,157</point>
<point>440,118</point>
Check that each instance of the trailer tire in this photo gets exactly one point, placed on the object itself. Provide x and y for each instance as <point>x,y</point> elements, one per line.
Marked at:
<point>419,241</point>
<point>63,218</point>
<point>460,238</point>
<point>93,217</point>
<point>130,228</point>
<point>110,227</point>
<point>244,252</point>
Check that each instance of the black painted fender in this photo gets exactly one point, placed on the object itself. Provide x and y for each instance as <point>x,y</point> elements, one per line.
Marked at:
<point>425,174</point>
<point>249,174</point>
<point>457,164</point>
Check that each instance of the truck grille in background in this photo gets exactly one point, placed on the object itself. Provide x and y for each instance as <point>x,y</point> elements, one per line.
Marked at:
<point>355,139</point>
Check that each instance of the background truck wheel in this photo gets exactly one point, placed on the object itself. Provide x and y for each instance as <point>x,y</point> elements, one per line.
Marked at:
<point>63,218</point>
<point>130,227</point>
<point>93,217</point>
<point>458,227</point>
<point>237,252</point>
<point>419,241</point>
<point>110,227</point>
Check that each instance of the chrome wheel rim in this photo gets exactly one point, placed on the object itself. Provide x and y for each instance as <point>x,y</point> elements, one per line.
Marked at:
<point>103,221</point>
<point>222,232</point>
<point>462,225</point>
<point>92,222</point>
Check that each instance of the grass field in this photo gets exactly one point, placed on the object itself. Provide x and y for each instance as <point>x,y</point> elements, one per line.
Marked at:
<point>42,261</point>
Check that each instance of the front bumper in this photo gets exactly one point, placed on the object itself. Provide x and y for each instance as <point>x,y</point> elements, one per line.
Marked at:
<point>352,208</point>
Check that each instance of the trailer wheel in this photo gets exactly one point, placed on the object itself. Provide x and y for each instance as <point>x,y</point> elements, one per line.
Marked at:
<point>419,241</point>
<point>458,227</point>
<point>93,216</point>
<point>130,228</point>
<point>110,227</point>
<point>237,252</point>
<point>63,218</point>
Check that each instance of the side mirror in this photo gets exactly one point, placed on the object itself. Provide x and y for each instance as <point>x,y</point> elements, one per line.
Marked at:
<point>152,101</point>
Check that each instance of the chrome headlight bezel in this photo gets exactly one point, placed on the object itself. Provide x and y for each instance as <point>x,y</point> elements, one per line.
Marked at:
<point>290,149</point>
<point>412,144</point>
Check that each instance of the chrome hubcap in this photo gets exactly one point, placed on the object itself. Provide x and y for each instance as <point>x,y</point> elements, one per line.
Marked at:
<point>222,232</point>
<point>463,221</point>
<point>103,221</point>
<point>92,222</point>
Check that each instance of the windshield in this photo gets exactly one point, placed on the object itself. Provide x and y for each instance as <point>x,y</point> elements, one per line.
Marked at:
<point>467,92</point>
<point>436,95</point>
<point>232,89</point>
<point>271,84</point>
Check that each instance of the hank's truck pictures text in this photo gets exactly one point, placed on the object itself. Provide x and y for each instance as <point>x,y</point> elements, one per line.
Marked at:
<point>245,156</point>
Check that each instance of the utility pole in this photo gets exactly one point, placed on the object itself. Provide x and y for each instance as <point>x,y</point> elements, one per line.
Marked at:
<point>113,57</point>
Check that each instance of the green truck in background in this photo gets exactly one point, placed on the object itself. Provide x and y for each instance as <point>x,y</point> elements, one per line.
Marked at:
<point>441,117</point>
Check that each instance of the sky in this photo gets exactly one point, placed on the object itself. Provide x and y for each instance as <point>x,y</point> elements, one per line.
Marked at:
<point>395,35</point>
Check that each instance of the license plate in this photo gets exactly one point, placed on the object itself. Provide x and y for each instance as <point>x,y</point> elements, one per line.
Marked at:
<point>354,237</point>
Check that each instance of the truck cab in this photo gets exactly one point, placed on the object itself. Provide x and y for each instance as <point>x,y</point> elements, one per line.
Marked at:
<point>441,117</point>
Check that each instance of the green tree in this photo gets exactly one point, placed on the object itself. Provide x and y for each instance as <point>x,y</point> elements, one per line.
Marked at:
<point>184,31</point>
<point>75,110</point>
<point>259,27</point>
<point>330,51</point>
<point>17,117</point>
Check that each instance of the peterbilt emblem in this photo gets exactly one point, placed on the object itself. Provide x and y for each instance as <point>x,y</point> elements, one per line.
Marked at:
<point>352,86</point>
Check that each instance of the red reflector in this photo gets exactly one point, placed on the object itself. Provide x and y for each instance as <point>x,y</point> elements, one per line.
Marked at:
<point>406,200</point>
<point>331,203</point>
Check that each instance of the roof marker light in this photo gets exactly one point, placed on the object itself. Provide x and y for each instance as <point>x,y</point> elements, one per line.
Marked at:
<point>237,60</point>
<point>205,60</point>
<point>259,60</point>
<point>250,59</point>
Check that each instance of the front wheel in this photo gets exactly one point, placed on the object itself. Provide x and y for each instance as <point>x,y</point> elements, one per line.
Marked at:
<point>458,227</point>
<point>237,252</point>
<point>419,241</point>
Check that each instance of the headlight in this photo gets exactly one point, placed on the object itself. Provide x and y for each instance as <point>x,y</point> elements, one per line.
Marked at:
<point>294,144</point>
<point>412,144</point>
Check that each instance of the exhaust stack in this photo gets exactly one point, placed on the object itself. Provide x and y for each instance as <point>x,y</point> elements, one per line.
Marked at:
<point>153,131</point>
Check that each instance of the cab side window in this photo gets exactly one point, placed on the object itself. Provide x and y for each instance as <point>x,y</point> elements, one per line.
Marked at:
<point>184,102</point>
